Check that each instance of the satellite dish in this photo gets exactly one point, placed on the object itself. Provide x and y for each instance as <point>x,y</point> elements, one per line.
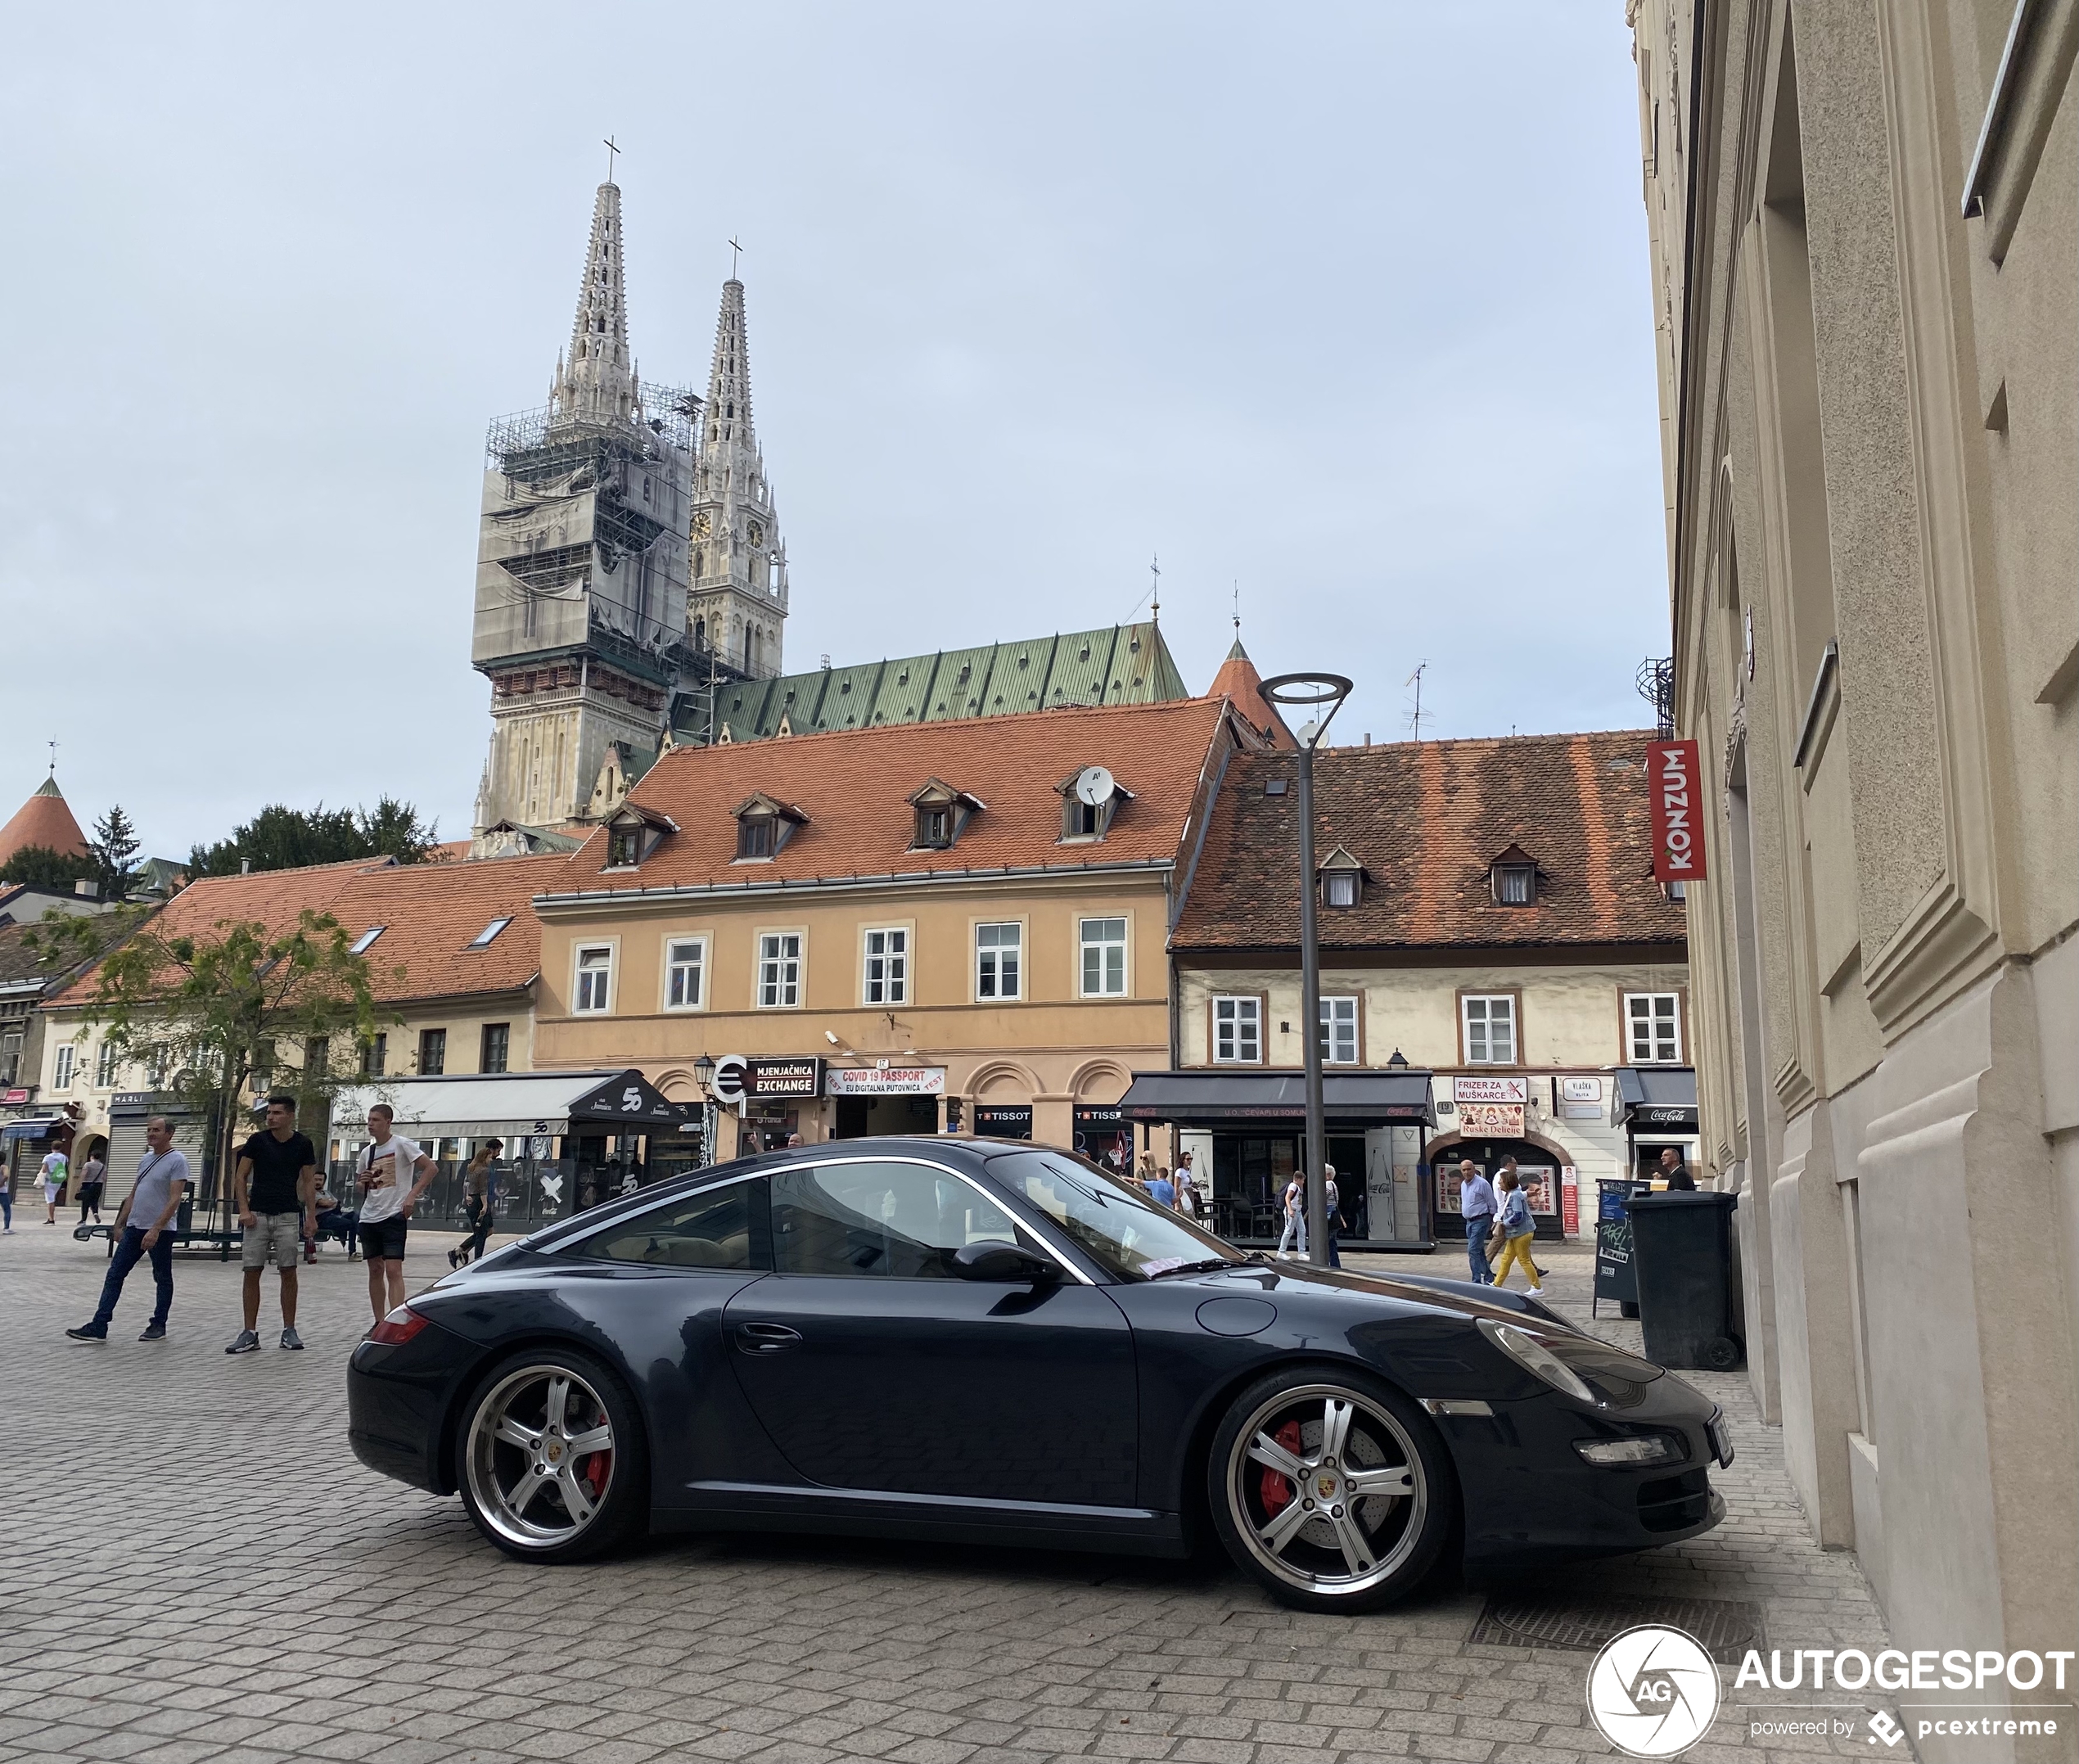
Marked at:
<point>1093,786</point>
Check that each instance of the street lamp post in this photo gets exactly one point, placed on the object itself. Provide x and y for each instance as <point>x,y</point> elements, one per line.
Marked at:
<point>1322,694</point>
<point>704,1077</point>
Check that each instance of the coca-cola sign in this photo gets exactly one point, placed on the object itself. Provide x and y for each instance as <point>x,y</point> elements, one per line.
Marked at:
<point>1674,789</point>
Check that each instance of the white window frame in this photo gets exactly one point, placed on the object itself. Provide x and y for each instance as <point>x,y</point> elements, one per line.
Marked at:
<point>588,999</point>
<point>776,959</point>
<point>892,961</point>
<point>1245,1011</point>
<point>1653,1021</point>
<point>1486,1020</point>
<point>104,1066</point>
<point>1104,948</point>
<point>1333,880</point>
<point>61,1072</point>
<point>994,953</point>
<point>672,967</point>
<point>1342,1011</point>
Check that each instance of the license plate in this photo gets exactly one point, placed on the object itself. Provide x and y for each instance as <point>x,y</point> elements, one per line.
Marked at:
<point>1721,1440</point>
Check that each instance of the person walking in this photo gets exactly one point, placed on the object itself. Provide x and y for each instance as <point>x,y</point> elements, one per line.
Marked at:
<point>276,1184</point>
<point>6,1203</point>
<point>1161,1190</point>
<point>1515,1227</point>
<point>148,1209</point>
<point>477,1203</point>
<point>1295,1203</point>
<point>94,1176</point>
<point>1333,1217</point>
<point>1186,1189</point>
<point>387,1163</point>
<point>1476,1207</point>
<point>1508,1164</point>
<point>1675,1172</point>
<point>53,1179</point>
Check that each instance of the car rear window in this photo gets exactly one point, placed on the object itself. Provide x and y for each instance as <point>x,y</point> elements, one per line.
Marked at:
<point>715,1227</point>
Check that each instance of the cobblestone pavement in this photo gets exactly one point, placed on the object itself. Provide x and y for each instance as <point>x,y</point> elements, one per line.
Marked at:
<point>195,1569</point>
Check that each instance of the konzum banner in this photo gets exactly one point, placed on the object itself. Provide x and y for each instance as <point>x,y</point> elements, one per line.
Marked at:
<point>1676,789</point>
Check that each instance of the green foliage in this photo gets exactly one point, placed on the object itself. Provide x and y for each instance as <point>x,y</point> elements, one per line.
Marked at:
<point>114,850</point>
<point>41,867</point>
<point>281,838</point>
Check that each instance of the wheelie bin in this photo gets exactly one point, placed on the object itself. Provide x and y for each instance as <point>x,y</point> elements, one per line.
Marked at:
<point>1681,1243</point>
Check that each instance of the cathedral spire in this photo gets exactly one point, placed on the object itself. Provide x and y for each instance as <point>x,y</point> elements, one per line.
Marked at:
<point>729,431</point>
<point>595,381</point>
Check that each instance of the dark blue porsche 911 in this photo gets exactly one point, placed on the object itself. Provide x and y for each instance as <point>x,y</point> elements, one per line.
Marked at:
<point>980,1341</point>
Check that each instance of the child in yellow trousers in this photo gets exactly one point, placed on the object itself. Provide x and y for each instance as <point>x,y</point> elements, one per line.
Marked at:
<point>1515,1227</point>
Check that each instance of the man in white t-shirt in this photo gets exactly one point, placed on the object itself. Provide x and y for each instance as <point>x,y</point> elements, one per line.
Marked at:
<point>385,1168</point>
<point>54,1172</point>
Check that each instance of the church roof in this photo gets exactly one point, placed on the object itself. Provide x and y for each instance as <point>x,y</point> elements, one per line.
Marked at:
<point>1113,664</point>
<point>43,820</point>
<point>1238,679</point>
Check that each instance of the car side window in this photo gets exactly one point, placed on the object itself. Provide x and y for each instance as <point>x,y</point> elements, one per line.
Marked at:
<point>714,1229</point>
<point>871,1220</point>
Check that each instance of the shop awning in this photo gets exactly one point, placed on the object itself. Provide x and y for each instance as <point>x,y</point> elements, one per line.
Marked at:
<point>1211,1096</point>
<point>521,1102</point>
<point>34,1130</point>
<point>1654,1096</point>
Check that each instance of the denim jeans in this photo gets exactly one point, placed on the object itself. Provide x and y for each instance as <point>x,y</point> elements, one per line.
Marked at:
<point>128,1253</point>
<point>1476,1228</point>
<point>1294,1222</point>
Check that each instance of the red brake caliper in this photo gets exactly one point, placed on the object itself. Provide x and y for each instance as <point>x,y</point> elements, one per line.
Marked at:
<point>594,1471</point>
<point>1277,1491</point>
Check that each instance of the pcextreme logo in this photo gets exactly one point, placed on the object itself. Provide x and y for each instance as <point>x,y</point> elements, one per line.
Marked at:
<point>1652,1691</point>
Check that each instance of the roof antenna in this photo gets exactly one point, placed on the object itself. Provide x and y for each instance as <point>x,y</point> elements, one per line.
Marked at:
<point>1414,717</point>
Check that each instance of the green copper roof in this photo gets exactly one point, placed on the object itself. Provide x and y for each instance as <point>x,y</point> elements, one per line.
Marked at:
<point>1119,663</point>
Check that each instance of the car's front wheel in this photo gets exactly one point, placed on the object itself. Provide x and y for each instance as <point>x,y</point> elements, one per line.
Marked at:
<point>553,1466</point>
<point>1331,1489</point>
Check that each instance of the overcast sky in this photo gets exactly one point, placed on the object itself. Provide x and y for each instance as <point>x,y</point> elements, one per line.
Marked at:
<point>1347,304</point>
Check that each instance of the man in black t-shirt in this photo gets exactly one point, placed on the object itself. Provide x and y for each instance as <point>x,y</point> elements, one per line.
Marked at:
<point>277,1186</point>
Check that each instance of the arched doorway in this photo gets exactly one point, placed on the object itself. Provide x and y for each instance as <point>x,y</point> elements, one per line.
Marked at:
<point>1538,1161</point>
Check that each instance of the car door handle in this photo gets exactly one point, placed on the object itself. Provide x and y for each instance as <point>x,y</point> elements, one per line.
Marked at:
<point>766,1337</point>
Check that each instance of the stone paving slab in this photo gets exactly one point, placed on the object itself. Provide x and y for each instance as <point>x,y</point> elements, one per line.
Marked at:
<point>196,1568</point>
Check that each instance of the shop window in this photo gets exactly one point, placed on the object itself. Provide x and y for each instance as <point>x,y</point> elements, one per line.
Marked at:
<point>1488,1021</point>
<point>497,1048</point>
<point>433,1052</point>
<point>1237,1031</point>
<point>685,964</point>
<point>998,968</point>
<point>1104,958</point>
<point>887,965</point>
<point>1652,1023</point>
<point>1339,1031</point>
<point>595,979</point>
<point>779,970</point>
<point>61,1078</point>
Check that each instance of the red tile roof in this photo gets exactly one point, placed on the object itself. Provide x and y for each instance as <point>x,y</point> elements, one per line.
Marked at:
<point>1427,820</point>
<point>853,786</point>
<point>1239,680</point>
<point>43,820</point>
<point>431,911</point>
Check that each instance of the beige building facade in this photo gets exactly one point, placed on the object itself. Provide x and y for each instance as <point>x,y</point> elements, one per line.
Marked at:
<point>1861,224</point>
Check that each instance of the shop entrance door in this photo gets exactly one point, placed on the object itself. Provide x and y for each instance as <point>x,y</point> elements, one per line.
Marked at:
<point>860,1118</point>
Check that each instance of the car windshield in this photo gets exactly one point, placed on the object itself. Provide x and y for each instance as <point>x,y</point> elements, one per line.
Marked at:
<point>1119,1227</point>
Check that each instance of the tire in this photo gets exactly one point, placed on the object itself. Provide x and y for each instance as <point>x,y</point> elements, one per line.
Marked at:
<point>533,1482</point>
<point>1359,1551</point>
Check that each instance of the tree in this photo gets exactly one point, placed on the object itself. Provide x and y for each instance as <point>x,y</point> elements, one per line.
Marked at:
<point>206,1014</point>
<point>40,867</point>
<point>281,838</point>
<point>114,849</point>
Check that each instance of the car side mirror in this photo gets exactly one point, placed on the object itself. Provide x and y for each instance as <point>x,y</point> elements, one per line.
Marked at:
<point>998,1261</point>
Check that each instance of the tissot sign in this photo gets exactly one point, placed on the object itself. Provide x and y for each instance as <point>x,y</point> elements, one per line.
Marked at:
<point>1674,787</point>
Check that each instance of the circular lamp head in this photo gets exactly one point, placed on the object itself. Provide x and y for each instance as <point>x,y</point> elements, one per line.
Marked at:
<point>1321,693</point>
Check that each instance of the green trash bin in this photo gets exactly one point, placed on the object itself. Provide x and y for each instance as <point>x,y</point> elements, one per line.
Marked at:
<point>1682,1258</point>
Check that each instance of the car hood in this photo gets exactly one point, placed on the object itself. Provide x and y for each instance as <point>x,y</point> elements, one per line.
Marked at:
<point>1457,1297</point>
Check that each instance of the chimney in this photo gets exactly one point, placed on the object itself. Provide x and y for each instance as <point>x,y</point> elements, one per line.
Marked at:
<point>85,887</point>
<point>245,866</point>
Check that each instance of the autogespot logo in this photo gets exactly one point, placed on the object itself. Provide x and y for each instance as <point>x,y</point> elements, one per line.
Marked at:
<point>1653,1691</point>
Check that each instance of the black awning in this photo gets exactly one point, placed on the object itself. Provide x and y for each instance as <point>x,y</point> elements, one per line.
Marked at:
<point>1214,1096</point>
<point>1654,1096</point>
<point>631,1102</point>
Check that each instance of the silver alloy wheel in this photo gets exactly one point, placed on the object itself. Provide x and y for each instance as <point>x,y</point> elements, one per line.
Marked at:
<point>1355,1493</point>
<point>541,1456</point>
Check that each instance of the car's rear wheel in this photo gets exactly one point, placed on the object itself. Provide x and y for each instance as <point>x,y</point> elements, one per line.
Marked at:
<point>553,1467</point>
<point>1331,1489</point>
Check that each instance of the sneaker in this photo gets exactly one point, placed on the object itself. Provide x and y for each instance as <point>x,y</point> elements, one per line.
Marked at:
<point>1537,1291</point>
<point>154,1332</point>
<point>290,1338</point>
<point>248,1341</point>
<point>88,1332</point>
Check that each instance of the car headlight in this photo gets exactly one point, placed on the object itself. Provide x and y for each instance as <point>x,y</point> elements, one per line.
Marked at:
<point>1535,1358</point>
<point>1625,1454</point>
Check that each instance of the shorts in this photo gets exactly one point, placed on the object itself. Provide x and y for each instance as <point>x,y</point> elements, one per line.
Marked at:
<point>282,1233</point>
<point>385,1240</point>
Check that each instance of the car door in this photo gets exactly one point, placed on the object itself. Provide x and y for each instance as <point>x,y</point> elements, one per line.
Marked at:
<point>875,1367</point>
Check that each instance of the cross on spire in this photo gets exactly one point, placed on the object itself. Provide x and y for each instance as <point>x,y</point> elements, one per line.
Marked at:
<point>611,150</point>
<point>1154,589</point>
<point>735,250</point>
<point>54,758</point>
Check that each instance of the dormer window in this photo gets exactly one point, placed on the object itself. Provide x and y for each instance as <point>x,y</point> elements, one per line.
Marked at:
<point>633,833</point>
<point>1342,879</point>
<point>1090,801</point>
<point>1514,878</point>
<point>942,815</point>
<point>764,827</point>
<point>624,847</point>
